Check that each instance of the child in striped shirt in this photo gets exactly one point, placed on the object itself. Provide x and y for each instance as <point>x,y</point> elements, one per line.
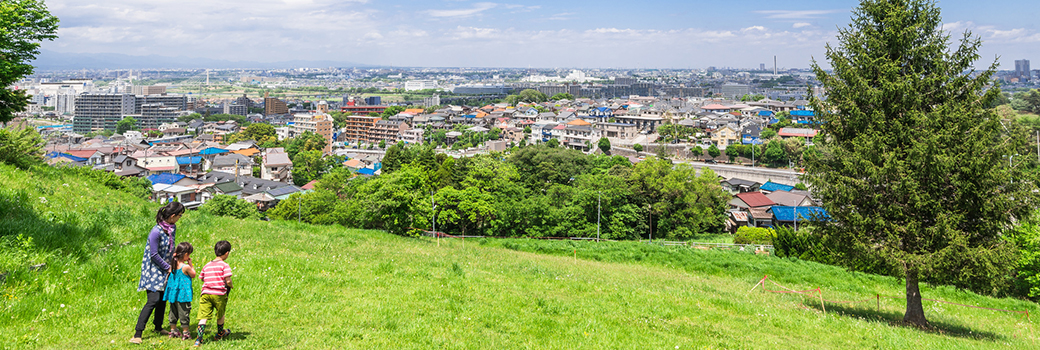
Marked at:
<point>216,284</point>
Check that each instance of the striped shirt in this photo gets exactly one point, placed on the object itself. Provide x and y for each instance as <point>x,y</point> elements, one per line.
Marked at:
<point>214,277</point>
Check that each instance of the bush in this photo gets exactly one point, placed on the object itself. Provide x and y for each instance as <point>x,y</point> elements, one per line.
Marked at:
<point>1027,273</point>
<point>21,148</point>
<point>226,205</point>
<point>754,235</point>
<point>138,186</point>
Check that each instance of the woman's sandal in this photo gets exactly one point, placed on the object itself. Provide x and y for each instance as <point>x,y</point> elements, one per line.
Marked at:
<point>175,334</point>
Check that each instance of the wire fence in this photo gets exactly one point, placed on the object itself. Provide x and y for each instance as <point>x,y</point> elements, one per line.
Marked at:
<point>765,249</point>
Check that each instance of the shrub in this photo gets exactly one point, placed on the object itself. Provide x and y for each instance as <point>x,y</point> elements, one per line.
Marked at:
<point>225,205</point>
<point>21,148</point>
<point>754,235</point>
<point>1027,274</point>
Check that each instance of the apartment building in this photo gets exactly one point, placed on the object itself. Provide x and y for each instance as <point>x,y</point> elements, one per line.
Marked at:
<point>274,106</point>
<point>95,112</point>
<point>387,130</point>
<point>153,115</point>
<point>180,102</point>
<point>357,128</point>
<point>320,124</point>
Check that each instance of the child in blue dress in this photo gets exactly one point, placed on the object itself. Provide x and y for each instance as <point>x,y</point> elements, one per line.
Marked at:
<point>178,290</point>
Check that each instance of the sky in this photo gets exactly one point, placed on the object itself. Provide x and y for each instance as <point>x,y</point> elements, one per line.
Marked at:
<point>538,34</point>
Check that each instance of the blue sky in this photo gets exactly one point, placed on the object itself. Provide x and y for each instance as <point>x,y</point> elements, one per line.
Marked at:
<point>547,34</point>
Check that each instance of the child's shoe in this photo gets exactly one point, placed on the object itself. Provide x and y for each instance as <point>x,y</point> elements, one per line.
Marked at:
<point>223,334</point>
<point>175,334</point>
<point>186,335</point>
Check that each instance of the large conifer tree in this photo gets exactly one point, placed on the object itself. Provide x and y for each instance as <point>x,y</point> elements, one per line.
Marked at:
<point>912,168</point>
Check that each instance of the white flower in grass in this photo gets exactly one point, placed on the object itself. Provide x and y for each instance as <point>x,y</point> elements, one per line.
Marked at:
<point>43,200</point>
<point>62,305</point>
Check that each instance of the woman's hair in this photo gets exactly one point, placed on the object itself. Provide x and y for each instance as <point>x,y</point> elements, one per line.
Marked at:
<point>182,249</point>
<point>169,210</point>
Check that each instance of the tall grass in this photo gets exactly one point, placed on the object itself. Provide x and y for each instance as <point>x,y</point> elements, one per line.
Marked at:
<point>318,287</point>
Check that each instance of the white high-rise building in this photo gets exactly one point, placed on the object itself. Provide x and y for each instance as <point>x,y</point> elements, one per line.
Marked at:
<point>413,85</point>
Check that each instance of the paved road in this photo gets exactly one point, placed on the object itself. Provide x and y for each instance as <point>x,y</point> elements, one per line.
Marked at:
<point>758,174</point>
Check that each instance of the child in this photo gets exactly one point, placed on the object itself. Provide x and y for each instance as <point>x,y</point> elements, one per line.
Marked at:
<point>216,284</point>
<point>178,290</point>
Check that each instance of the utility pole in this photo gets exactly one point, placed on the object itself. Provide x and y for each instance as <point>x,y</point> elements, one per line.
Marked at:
<point>435,235</point>
<point>599,206</point>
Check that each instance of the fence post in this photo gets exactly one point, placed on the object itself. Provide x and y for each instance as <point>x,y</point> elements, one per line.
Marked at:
<point>819,292</point>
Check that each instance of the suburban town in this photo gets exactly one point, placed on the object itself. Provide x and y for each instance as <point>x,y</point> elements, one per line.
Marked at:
<point>471,175</point>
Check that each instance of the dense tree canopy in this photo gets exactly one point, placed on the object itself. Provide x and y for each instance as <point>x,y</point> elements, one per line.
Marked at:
<point>534,192</point>
<point>23,25</point>
<point>911,167</point>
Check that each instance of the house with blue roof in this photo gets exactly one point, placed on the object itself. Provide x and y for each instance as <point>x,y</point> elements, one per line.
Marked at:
<point>189,164</point>
<point>791,216</point>
<point>171,179</point>
<point>770,186</point>
<point>602,113</point>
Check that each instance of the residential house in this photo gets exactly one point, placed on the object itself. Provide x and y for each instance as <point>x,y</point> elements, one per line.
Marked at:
<point>770,186</point>
<point>276,165</point>
<point>791,216</point>
<point>790,199</point>
<point>233,163</point>
<point>736,185</point>
<point>725,136</point>
<point>172,179</point>
<point>618,130</point>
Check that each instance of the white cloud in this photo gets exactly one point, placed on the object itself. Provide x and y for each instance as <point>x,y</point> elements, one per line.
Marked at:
<point>463,13</point>
<point>801,25</point>
<point>791,14</point>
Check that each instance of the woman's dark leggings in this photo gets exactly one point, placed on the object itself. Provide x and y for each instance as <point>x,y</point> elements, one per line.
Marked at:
<point>156,303</point>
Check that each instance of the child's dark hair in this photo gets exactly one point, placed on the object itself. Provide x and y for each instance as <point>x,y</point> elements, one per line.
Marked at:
<point>168,211</point>
<point>221,248</point>
<point>182,249</point>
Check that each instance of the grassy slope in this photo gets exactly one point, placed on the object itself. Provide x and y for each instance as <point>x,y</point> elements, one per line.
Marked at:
<point>302,286</point>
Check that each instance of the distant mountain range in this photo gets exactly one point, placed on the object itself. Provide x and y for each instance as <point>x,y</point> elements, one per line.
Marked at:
<point>50,60</point>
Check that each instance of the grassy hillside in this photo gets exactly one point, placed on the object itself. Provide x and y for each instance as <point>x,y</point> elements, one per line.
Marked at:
<point>316,287</point>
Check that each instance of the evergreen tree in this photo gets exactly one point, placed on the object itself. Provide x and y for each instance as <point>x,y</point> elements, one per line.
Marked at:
<point>910,165</point>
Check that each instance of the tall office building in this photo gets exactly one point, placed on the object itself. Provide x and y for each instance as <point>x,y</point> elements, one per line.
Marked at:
<point>95,112</point>
<point>1022,69</point>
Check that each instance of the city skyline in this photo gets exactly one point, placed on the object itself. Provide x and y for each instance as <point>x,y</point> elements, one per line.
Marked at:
<point>601,34</point>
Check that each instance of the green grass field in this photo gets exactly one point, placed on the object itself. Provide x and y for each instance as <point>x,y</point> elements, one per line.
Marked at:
<point>318,287</point>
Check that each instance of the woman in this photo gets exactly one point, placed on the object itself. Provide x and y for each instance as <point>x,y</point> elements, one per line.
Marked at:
<point>155,267</point>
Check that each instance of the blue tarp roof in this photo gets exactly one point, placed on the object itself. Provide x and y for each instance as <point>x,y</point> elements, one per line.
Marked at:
<point>802,113</point>
<point>773,121</point>
<point>165,178</point>
<point>773,186</point>
<point>366,171</point>
<point>66,155</point>
<point>470,116</point>
<point>212,151</point>
<point>782,213</point>
<point>188,160</point>
<point>765,113</point>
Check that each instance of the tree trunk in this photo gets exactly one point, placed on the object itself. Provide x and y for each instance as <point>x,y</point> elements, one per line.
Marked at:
<point>914,310</point>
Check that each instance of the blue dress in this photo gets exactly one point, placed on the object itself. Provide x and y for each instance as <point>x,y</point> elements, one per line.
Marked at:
<point>178,289</point>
